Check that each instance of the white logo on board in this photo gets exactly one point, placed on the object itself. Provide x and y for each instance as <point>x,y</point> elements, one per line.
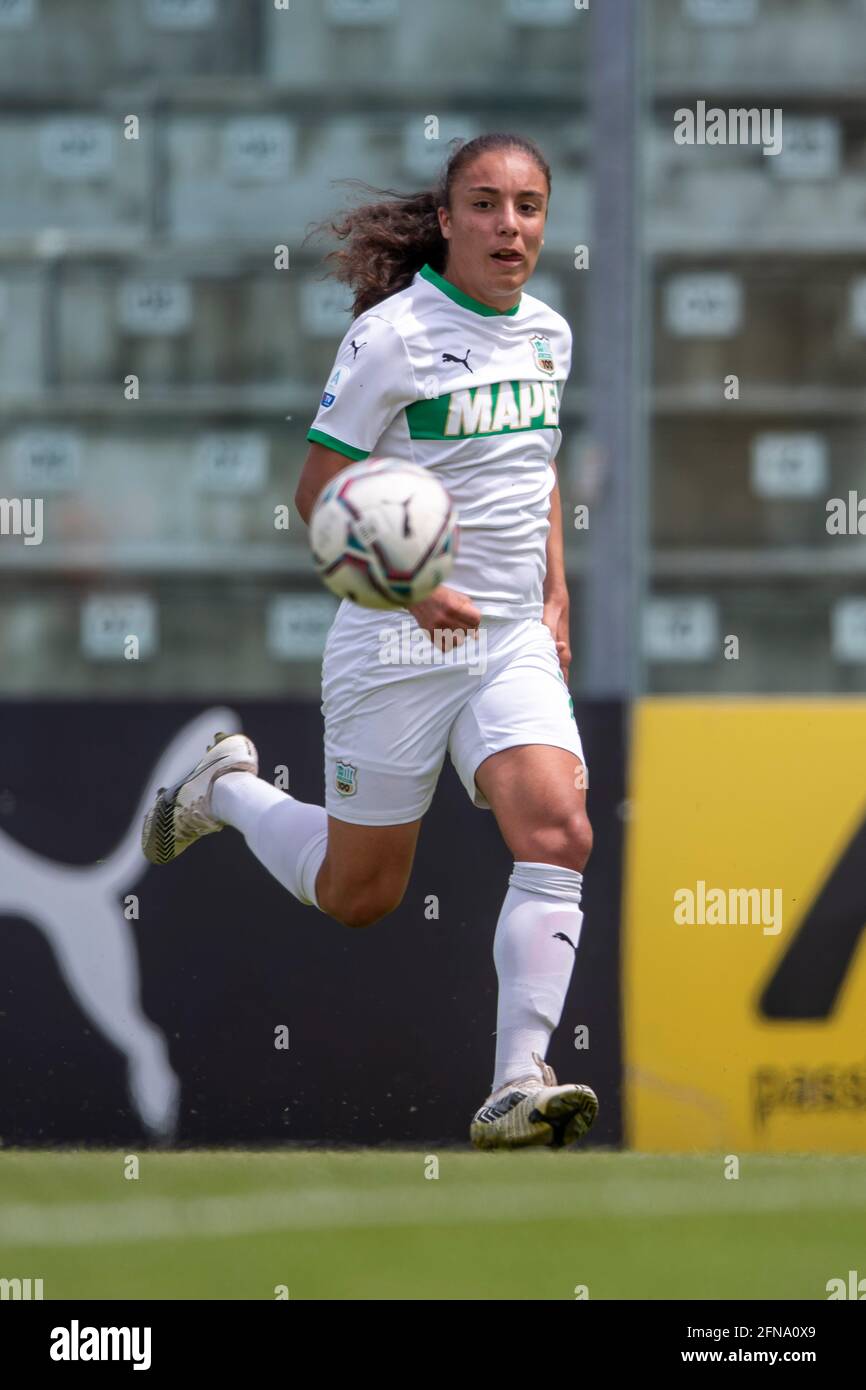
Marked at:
<point>78,910</point>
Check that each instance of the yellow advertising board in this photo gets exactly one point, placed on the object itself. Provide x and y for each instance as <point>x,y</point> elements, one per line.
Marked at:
<point>744,958</point>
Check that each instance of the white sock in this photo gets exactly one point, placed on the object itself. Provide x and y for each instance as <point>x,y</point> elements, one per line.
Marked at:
<point>533,962</point>
<point>289,837</point>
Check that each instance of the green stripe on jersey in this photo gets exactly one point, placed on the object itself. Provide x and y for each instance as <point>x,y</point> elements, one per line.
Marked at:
<point>503,407</point>
<point>319,437</point>
<point>460,297</point>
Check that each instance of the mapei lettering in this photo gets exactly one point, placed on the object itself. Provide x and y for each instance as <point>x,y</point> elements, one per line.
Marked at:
<point>504,405</point>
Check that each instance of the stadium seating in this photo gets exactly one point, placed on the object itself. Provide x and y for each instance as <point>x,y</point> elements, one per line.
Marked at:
<point>151,259</point>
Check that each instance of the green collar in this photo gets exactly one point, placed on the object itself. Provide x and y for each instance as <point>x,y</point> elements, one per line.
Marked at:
<point>466,301</point>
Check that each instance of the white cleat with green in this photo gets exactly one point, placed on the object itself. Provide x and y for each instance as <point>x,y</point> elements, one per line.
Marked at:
<point>534,1110</point>
<point>182,814</point>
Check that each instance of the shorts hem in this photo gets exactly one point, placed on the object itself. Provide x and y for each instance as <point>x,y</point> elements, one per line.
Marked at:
<point>377,818</point>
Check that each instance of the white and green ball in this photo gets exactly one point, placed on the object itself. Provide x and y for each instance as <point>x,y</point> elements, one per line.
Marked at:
<point>383,533</point>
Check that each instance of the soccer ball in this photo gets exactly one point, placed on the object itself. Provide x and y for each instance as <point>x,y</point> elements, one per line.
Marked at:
<point>383,533</point>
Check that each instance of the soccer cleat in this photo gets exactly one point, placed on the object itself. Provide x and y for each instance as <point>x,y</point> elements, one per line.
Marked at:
<point>182,814</point>
<point>534,1110</point>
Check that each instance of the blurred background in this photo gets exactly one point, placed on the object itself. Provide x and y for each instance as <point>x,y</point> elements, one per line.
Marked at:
<point>165,332</point>
<point>153,257</point>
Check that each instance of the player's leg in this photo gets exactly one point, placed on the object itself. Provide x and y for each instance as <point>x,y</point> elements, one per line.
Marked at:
<point>355,873</point>
<point>386,734</point>
<point>542,817</point>
<point>386,731</point>
<point>537,793</point>
<point>518,752</point>
<point>365,871</point>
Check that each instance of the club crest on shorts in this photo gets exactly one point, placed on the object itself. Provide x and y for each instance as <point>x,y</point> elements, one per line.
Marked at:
<point>542,352</point>
<point>346,780</point>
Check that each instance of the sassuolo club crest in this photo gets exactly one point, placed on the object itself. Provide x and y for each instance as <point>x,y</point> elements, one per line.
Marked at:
<point>542,352</point>
<point>346,780</point>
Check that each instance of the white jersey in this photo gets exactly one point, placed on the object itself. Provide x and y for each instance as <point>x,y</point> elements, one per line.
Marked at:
<point>434,377</point>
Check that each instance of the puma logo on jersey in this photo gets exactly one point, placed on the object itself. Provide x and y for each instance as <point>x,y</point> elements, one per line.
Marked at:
<point>464,361</point>
<point>502,406</point>
<point>356,347</point>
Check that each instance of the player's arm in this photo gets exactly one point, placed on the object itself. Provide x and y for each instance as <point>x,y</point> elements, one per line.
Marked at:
<point>366,390</point>
<point>374,385</point>
<point>321,465</point>
<point>445,609</point>
<point>555,586</point>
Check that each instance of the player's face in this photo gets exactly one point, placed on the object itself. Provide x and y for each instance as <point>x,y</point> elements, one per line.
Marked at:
<point>495,225</point>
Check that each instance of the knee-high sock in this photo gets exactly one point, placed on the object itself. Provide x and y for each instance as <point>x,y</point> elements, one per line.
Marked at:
<point>534,949</point>
<point>289,837</point>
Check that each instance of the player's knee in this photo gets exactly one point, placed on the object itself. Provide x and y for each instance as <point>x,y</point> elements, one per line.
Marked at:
<point>565,840</point>
<point>367,908</point>
<point>577,841</point>
<point>583,840</point>
<point>359,915</point>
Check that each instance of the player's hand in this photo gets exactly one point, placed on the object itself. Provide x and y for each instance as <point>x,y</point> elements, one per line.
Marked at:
<point>446,616</point>
<point>555,617</point>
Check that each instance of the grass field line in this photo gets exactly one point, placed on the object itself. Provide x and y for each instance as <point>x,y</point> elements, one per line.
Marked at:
<point>422,1203</point>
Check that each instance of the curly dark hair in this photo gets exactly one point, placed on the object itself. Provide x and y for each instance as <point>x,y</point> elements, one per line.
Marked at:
<point>389,240</point>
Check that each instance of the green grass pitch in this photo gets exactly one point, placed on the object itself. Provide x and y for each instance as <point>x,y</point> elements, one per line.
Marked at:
<point>370,1224</point>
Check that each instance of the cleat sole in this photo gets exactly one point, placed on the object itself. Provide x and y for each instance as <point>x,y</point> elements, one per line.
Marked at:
<point>569,1116</point>
<point>157,838</point>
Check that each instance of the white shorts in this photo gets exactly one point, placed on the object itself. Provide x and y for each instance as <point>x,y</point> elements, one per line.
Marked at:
<point>392,710</point>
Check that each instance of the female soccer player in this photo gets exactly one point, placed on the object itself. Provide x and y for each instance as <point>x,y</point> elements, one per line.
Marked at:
<point>447,363</point>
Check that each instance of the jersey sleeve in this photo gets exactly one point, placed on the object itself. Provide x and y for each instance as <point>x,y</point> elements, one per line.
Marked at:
<point>371,382</point>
